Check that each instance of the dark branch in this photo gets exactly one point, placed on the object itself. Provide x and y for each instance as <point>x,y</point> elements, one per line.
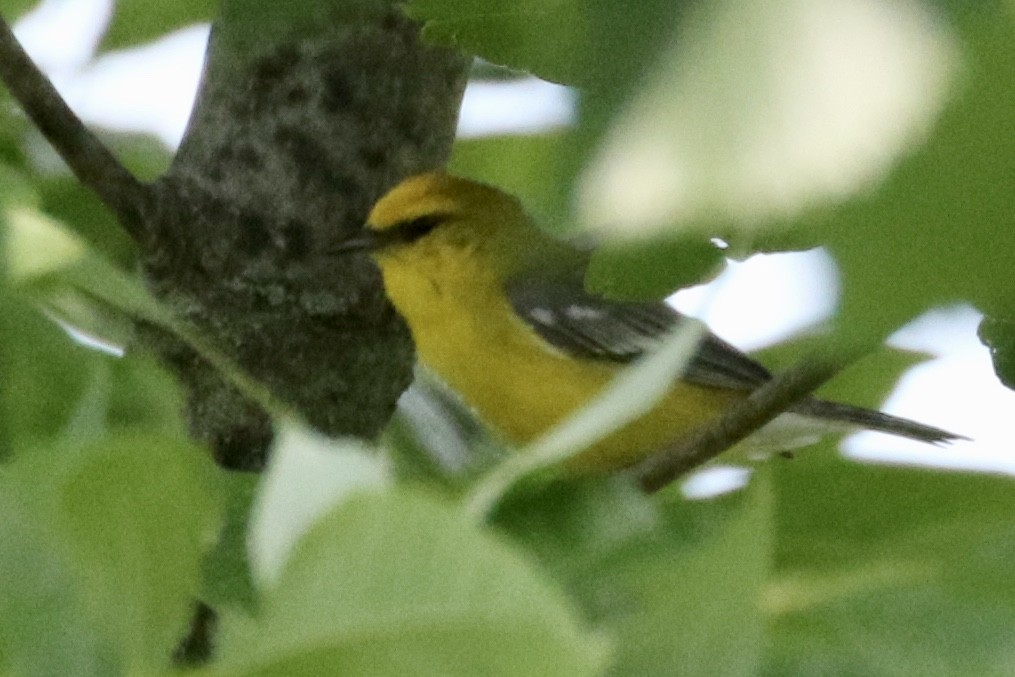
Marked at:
<point>763,405</point>
<point>90,160</point>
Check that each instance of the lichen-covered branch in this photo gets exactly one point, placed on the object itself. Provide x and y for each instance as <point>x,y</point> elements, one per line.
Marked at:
<point>94,165</point>
<point>307,113</point>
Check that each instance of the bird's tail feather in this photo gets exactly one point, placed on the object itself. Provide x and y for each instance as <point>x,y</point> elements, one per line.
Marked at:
<point>874,420</point>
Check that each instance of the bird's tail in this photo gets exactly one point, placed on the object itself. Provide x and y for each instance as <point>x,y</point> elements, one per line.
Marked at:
<point>874,420</point>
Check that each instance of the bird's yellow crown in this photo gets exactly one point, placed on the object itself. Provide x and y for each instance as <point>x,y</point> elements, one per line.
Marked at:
<point>452,222</point>
<point>437,193</point>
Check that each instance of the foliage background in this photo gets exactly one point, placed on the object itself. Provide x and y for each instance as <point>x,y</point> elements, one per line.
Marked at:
<point>113,523</point>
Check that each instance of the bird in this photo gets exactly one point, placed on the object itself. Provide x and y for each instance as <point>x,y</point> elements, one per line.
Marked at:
<point>498,311</point>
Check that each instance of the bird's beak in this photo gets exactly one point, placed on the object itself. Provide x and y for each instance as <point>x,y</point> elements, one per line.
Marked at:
<point>364,241</point>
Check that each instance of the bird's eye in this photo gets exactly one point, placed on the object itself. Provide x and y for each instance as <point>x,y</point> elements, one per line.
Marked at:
<point>413,229</point>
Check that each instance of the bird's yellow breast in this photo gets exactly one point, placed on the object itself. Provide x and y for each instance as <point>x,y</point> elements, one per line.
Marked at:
<point>466,332</point>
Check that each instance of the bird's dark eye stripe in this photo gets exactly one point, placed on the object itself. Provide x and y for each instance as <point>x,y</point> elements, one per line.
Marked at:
<point>413,229</point>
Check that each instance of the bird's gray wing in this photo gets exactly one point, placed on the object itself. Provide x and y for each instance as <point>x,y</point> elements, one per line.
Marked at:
<point>567,317</point>
<point>582,324</point>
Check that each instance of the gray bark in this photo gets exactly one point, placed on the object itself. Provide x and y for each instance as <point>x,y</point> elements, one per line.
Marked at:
<point>301,124</point>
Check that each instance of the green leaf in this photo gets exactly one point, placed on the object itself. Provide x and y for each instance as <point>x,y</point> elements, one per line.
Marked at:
<point>891,571</point>
<point>80,273</point>
<point>135,22</point>
<point>652,270</point>
<point>744,121</point>
<point>864,383</point>
<point>226,576</point>
<point>561,41</point>
<point>76,209</point>
<point>145,155</point>
<point>510,33</point>
<point>37,245</point>
<point>677,583</point>
<point>308,475</point>
<point>13,9</point>
<point>18,192</point>
<point>700,613</point>
<point>12,133</point>
<point>137,513</point>
<point>79,211</point>
<point>998,334</point>
<point>45,376</point>
<point>143,395</point>
<point>941,228</point>
<point>530,167</point>
<point>125,394</point>
<point>42,629</point>
<point>400,584</point>
<point>6,396</point>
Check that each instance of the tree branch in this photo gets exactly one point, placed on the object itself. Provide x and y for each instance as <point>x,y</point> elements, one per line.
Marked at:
<point>93,164</point>
<point>763,405</point>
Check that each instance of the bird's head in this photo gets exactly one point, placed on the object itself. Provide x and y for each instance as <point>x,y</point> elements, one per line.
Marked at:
<point>436,220</point>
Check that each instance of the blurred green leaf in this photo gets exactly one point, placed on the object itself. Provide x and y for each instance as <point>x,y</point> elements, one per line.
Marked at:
<point>135,22</point>
<point>121,525</point>
<point>645,271</point>
<point>109,288</point>
<point>226,576</point>
<point>18,191</point>
<point>12,129</point>
<point>865,383</point>
<point>53,219</point>
<point>512,34</point>
<point>97,323</point>
<point>45,376</point>
<point>45,361</point>
<point>144,155</point>
<point>398,583</point>
<point>13,9</point>
<point>562,41</point>
<point>123,394</point>
<point>998,334</point>
<point>137,512</point>
<point>308,475</point>
<point>42,629</point>
<point>81,212</point>
<point>743,122</point>
<point>891,571</point>
<point>603,46</point>
<point>530,167</point>
<point>6,399</point>
<point>677,583</point>
<point>37,245</point>
<point>143,395</point>
<point>940,228</point>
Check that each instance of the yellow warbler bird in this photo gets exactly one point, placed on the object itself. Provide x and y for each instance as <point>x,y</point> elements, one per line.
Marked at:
<point>498,318</point>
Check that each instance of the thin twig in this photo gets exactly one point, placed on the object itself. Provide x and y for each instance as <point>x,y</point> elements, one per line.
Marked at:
<point>94,165</point>
<point>763,405</point>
